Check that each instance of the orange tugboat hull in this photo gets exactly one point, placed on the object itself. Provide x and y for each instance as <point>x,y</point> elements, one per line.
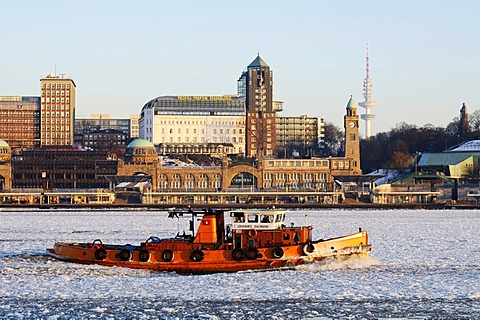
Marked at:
<point>192,258</point>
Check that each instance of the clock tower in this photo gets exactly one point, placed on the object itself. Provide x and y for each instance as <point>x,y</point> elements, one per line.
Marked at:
<point>352,139</point>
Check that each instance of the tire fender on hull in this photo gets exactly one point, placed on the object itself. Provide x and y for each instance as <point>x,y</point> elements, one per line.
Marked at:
<point>197,255</point>
<point>308,249</point>
<point>167,255</point>
<point>100,254</point>
<point>125,255</point>
<point>277,252</point>
<point>238,254</point>
<point>252,254</point>
<point>144,255</point>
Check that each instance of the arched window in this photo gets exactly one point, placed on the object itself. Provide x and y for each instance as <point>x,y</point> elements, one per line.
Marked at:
<point>176,181</point>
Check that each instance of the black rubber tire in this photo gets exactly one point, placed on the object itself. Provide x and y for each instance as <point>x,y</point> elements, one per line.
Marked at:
<point>197,255</point>
<point>144,255</point>
<point>277,252</point>
<point>100,254</point>
<point>238,254</point>
<point>125,255</point>
<point>252,254</point>
<point>167,255</point>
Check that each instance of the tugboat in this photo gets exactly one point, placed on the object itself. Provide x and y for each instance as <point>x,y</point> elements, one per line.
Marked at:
<point>254,240</point>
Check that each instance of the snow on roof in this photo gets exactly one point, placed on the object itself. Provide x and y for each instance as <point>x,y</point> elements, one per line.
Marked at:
<point>473,145</point>
<point>122,184</point>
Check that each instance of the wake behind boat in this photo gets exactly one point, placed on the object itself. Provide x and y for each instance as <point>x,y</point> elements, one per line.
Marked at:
<point>254,240</point>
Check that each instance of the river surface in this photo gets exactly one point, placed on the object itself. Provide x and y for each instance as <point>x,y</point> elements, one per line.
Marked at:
<point>425,264</point>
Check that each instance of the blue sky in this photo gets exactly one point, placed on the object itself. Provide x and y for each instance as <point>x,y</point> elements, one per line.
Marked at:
<point>424,55</point>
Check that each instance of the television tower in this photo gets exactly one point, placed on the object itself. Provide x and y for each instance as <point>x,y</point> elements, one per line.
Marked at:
<point>368,104</point>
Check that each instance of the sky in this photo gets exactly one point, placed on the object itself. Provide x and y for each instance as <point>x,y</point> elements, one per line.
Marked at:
<point>424,55</point>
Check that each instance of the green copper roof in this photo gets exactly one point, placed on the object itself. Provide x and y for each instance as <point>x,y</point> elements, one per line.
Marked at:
<point>3,144</point>
<point>140,143</point>
<point>258,62</point>
<point>351,105</point>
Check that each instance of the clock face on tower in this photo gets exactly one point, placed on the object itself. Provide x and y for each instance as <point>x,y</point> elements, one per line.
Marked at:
<point>351,124</point>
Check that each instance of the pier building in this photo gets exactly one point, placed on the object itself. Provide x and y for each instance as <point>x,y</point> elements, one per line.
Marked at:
<point>5,166</point>
<point>62,168</point>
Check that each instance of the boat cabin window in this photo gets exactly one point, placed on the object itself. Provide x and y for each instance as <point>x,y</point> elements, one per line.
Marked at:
<point>253,218</point>
<point>266,218</point>
<point>279,218</point>
<point>238,217</point>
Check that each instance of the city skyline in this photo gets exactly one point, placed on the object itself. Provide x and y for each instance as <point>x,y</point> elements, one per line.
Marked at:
<point>121,55</point>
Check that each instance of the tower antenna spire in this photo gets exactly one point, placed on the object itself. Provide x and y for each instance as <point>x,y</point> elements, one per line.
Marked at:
<point>368,104</point>
<point>368,65</point>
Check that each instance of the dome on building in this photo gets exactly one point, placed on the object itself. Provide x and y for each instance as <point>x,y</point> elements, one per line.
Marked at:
<point>141,151</point>
<point>351,105</point>
<point>3,144</point>
<point>140,143</point>
<point>5,151</point>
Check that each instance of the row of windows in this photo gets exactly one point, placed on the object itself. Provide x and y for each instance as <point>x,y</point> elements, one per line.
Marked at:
<point>204,140</point>
<point>296,176</point>
<point>17,135</point>
<point>56,114</point>
<point>254,147</point>
<point>194,131</point>
<point>57,122</point>
<point>52,107</point>
<point>341,164</point>
<point>54,93</point>
<point>224,123</point>
<point>298,163</point>
<point>55,135</point>
<point>52,100</point>
<point>57,85</point>
<point>12,121</point>
<point>18,114</point>
<point>189,184</point>
<point>93,122</point>
<point>283,185</point>
<point>252,120</point>
<point>54,142</point>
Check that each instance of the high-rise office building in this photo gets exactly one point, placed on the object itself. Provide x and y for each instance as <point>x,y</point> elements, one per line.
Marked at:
<point>20,121</point>
<point>256,86</point>
<point>57,110</point>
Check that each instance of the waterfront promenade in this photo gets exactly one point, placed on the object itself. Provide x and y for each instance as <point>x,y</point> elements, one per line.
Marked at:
<point>105,199</point>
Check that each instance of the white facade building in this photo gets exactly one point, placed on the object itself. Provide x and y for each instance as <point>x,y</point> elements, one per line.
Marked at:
<point>194,121</point>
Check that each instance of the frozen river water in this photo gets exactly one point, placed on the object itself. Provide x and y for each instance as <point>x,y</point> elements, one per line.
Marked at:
<point>425,264</point>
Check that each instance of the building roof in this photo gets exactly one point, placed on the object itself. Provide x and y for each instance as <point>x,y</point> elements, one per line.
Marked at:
<point>351,105</point>
<point>473,145</point>
<point>445,158</point>
<point>140,143</point>
<point>257,63</point>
